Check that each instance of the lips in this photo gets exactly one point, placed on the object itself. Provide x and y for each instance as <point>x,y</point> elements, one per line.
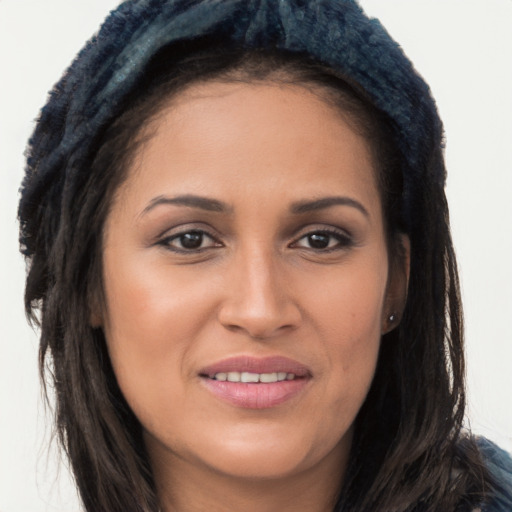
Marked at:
<point>240,364</point>
<point>255,383</point>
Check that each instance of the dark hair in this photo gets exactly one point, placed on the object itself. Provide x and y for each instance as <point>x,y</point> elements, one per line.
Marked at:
<point>408,453</point>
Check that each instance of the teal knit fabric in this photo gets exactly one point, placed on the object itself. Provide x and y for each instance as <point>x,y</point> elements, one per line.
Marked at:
<point>336,33</point>
<point>499,463</point>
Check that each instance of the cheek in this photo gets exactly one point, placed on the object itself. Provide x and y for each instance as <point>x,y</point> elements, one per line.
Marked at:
<point>348,307</point>
<point>152,317</point>
<point>151,302</point>
<point>347,316</point>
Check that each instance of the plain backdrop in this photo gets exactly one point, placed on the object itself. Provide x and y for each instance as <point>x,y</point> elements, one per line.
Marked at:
<point>464,50</point>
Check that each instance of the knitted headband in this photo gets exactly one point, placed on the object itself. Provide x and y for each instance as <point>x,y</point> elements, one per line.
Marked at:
<point>334,32</point>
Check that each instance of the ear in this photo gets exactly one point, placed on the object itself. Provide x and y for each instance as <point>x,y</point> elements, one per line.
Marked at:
<point>398,282</point>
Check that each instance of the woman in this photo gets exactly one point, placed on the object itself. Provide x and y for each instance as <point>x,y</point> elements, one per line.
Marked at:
<point>238,237</point>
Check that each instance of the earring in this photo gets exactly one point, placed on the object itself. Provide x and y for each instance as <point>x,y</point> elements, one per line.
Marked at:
<point>392,318</point>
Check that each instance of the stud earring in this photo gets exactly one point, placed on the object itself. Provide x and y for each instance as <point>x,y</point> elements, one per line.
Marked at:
<point>392,318</point>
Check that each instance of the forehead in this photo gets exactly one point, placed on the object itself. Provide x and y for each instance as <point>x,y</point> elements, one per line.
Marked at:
<point>233,138</point>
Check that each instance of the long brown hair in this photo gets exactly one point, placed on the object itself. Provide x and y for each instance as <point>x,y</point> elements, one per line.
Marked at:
<point>408,453</point>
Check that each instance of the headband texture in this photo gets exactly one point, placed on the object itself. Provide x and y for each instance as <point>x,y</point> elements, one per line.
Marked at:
<point>334,32</point>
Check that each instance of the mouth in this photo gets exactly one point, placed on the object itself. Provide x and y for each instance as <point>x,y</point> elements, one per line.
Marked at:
<point>254,378</point>
<point>256,383</point>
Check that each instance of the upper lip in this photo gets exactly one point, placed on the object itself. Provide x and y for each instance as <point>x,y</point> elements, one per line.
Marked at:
<point>273,364</point>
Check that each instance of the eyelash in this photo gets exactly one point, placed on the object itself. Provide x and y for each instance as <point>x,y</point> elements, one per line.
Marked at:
<point>343,239</point>
<point>167,241</point>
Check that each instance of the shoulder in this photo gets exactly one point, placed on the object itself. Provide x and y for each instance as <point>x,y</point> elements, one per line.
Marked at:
<point>499,464</point>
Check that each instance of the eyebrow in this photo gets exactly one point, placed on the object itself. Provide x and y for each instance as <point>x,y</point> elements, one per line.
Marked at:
<point>214,205</point>
<point>327,202</point>
<point>192,201</point>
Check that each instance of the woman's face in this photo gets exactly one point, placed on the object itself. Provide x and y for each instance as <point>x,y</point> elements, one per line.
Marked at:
<point>246,281</point>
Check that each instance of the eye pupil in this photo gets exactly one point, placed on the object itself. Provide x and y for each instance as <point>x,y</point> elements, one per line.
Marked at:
<point>319,240</point>
<point>192,240</point>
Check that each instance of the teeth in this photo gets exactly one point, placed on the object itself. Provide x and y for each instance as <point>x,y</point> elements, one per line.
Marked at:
<point>254,377</point>
<point>250,377</point>
<point>234,376</point>
<point>268,377</point>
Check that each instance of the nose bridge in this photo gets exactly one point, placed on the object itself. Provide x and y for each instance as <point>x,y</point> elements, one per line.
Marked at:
<point>257,297</point>
<point>259,274</point>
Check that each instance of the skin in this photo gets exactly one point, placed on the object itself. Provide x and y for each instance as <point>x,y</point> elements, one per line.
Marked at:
<point>255,285</point>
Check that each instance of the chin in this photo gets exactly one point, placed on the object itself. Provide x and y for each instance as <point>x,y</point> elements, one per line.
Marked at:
<point>259,453</point>
<point>264,463</point>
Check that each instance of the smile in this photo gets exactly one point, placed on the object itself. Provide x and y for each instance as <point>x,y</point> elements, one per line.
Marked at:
<point>255,383</point>
<point>253,377</point>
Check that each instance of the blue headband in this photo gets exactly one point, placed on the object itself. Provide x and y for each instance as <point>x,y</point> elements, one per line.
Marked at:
<point>334,32</point>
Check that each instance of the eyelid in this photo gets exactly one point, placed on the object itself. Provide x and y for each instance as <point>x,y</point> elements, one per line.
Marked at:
<point>347,239</point>
<point>324,228</point>
<point>169,235</point>
<point>186,227</point>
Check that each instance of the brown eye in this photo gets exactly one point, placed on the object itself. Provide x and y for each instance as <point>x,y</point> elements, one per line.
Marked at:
<point>189,241</point>
<point>319,240</point>
<point>324,240</point>
<point>192,240</point>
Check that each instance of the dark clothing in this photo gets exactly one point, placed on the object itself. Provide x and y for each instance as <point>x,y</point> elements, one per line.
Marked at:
<point>499,463</point>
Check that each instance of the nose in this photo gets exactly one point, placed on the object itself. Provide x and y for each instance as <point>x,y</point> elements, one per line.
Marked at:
<point>258,299</point>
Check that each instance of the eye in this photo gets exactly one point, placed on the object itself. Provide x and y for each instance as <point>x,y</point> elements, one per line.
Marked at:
<point>324,240</point>
<point>190,241</point>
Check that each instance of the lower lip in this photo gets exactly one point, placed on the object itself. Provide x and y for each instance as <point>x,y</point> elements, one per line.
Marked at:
<point>256,396</point>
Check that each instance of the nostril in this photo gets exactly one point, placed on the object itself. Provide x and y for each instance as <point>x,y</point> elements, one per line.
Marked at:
<point>232,327</point>
<point>257,327</point>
